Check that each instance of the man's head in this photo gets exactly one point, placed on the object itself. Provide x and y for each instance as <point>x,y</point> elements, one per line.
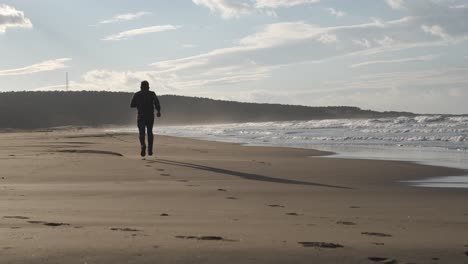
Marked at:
<point>145,86</point>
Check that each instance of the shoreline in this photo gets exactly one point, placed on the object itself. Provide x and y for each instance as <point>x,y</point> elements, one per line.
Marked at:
<point>335,155</point>
<point>210,202</point>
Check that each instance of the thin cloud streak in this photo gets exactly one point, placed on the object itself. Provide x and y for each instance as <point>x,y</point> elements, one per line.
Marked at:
<point>404,60</point>
<point>229,9</point>
<point>283,3</point>
<point>45,66</point>
<point>124,17</point>
<point>140,31</point>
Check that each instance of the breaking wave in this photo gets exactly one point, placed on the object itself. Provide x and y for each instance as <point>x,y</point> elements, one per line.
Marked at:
<point>420,131</point>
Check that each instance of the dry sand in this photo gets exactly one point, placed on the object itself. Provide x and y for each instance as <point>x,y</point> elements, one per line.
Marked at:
<point>87,197</point>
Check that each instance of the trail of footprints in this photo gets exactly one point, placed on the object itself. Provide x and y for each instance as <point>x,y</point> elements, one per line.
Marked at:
<point>326,245</point>
<point>306,244</point>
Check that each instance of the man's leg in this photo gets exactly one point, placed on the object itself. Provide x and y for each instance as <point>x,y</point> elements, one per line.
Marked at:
<point>141,129</point>
<point>149,127</point>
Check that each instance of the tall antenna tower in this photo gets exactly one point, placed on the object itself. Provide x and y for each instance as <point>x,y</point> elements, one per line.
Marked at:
<point>66,81</point>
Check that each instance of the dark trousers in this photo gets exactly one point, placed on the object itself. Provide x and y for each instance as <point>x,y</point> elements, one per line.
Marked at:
<point>145,124</point>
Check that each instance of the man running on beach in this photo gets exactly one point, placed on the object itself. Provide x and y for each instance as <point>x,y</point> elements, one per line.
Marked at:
<point>146,101</point>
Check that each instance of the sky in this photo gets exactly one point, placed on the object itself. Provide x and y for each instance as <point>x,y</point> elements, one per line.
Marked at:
<point>402,55</point>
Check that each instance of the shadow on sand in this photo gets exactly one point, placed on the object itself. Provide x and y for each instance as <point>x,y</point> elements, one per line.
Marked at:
<point>247,176</point>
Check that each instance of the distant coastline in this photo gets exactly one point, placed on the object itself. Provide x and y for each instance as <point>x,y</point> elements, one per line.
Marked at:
<point>33,110</point>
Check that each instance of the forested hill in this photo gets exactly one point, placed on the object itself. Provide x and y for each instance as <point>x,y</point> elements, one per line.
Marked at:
<point>28,110</point>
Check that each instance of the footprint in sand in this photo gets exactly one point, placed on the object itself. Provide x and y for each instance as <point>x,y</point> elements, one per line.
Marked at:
<point>52,224</point>
<point>320,245</point>
<point>222,190</point>
<point>164,214</point>
<point>165,174</point>
<point>276,205</point>
<point>376,234</point>
<point>232,198</point>
<point>354,207</point>
<point>293,214</point>
<point>262,162</point>
<point>382,260</point>
<point>124,229</point>
<point>90,151</point>
<point>16,217</point>
<point>349,223</point>
<point>160,169</point>
<point>206,238</point>
<point>55,224</point>
<point>378,244</point>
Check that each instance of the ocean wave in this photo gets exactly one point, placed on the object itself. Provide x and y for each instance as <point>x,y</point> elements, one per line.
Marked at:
<point>421,131</point>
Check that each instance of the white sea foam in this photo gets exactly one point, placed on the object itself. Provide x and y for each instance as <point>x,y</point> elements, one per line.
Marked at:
<point>420,131</point>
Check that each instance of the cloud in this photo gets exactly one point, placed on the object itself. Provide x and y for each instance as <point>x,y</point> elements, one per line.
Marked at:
<point>50,65</point>
<point>229,9</point>
<point>395,4</point>
<point>124,17</point>
<point>12,18</point>
<point>437,31</point>
<point>282,3</point>
<point>355,41</point>
<point>395,61</point>
<point>140,31</point>
<point>286,44</point>
<point>335,12</point>
<point>328,38</point>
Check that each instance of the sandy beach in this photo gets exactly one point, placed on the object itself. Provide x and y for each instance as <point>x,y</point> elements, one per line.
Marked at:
<point>84,196</point>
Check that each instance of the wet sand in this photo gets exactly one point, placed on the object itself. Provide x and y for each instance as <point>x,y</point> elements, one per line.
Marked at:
<point>81,196</point>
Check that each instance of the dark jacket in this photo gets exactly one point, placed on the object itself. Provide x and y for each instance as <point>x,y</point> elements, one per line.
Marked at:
<point>145,102</point>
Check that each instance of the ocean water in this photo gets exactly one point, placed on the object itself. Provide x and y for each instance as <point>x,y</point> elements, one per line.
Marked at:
<point>435,140</point>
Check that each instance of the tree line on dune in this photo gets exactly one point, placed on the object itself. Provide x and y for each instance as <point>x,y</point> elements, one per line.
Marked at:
<point>30,110</point>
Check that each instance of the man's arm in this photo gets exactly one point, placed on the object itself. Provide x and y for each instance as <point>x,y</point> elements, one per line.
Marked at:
<point>133,103</point>
<point>157,105</point>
